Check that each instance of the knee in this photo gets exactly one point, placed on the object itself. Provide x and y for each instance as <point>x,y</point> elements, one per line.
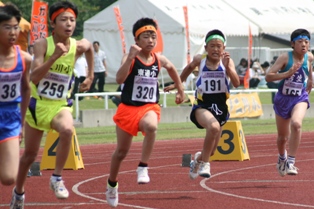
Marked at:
<point>8,181</point>
<point>28,157</point>
<point>66,133</point>
<point>296,125</point>
<point>120,154</point>
<point>151,128</point>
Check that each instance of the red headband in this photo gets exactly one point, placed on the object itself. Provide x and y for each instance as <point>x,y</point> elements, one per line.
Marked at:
<point>59,11</point>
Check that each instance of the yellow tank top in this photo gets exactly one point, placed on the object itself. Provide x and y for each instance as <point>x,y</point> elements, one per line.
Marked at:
<point>57,83</point>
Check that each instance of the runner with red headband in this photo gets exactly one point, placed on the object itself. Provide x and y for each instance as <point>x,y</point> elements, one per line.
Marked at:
<point>139,110</point>
<point>50,105</point>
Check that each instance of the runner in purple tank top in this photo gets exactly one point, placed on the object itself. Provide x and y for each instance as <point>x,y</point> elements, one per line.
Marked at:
<point>294,70</point>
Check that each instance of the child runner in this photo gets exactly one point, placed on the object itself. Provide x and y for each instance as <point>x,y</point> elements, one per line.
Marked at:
<point>139,109</point>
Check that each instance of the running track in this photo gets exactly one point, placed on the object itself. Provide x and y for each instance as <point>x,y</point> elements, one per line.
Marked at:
<point>253,183</point>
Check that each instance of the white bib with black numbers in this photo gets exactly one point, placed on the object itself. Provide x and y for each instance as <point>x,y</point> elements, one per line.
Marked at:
<point>144,89</point>
<point>10,86</point>
<point>54,86</point>
<point>213,82</point>
<point>292,88</point>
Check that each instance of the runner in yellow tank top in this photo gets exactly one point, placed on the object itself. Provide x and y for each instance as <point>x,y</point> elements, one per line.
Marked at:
<point>50,108</point>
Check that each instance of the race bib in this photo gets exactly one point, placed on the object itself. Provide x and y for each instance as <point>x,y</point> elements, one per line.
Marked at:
<point>54,86</point>
<point>144,89</point>
<point>213,82</point>
<point>292,88</point>
<point>10,86</point>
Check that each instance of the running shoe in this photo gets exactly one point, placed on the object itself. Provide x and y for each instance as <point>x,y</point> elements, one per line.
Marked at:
<point>281,166</point>
<point>112,195</point>
<point>142,175</point>
<point>58,187</point>
<point>194,165</point>
<point>291,169</point>
<point>204,169</point>
<point>17,202</point>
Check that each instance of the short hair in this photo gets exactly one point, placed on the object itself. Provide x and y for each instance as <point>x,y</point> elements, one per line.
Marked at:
<point>300,32</point>
<point>96,42</point>
<point>62,4</point>
<point>143,22</point>
<point>215,32</point>
<point>9,11</point>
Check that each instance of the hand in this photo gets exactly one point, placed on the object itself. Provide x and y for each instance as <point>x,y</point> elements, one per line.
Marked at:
<point>225,58</point>
<point>309,86</point>
<point>60,50</point>
<point>86,84</point>
<point>134,51</point>
<point>21,136</point>
<point>295,67</point>
<point>169,88</point>
<point>180,97</point>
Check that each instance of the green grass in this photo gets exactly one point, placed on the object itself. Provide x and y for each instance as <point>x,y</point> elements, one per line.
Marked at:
<point>171,131</point>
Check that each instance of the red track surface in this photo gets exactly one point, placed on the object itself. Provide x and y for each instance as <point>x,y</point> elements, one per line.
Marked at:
<point>253,183</point>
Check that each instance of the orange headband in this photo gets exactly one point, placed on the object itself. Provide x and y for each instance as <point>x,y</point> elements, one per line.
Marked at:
<point>145,28</point>
<point>59,11</point>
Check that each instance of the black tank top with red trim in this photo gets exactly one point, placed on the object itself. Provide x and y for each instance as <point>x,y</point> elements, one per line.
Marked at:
<point>141,85</point>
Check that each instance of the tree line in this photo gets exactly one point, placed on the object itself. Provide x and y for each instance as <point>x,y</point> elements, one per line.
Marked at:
<point>86,8</point>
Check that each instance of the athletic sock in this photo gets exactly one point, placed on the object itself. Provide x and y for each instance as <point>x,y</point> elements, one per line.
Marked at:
<point>141,164</point>
<point>112,183</point>
<point>291,160</point>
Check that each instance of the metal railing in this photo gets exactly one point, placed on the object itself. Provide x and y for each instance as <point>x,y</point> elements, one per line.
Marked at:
<point>164,94</point>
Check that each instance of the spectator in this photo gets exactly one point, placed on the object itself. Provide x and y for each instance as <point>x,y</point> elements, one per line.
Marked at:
<point>241,69</point>
<point>80,70</point>
<point>100,70</point>
<point>255,75</point>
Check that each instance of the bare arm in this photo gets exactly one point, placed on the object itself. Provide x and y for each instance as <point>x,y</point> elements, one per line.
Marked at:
<point>280,64</point>
<point>25,88</point>
<point>126,63</point>
<point>310,76</point>
<point>230,69</point>
<point>174,76</point>
<point>40,67</point>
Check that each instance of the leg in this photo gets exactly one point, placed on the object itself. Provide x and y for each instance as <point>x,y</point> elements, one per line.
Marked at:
<point>32,141</point>
<point>9,161</point>
<point>101,81</point>
<point>63,124</point>
<point>297,116</point>
<point>213,132</point>
<point>124,141</point>
<point>283,133</point>
<point>148,124</point>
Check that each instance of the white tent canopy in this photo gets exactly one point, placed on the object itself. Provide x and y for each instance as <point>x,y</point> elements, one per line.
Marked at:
<point>204,15</point>
<point>277,16</point>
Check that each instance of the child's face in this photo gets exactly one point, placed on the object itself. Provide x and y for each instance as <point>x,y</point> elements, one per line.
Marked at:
<point>64,24</point>
<point>215,48</point>
<point>147,40</point>
<point>301,45</point>
<point>9,31</point>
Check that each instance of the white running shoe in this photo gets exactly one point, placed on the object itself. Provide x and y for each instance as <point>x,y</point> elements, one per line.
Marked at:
<point>194,165</point>
<point>142,175</point>
<point>112,195</point>
<point>281,167</point>
<point>17,202</point>
<point>58,187</point>
<point>204,169</point>
<point>291,169</point>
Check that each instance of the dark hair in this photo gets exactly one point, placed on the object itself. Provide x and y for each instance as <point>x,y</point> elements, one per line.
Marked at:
<point>265,64</point>
<point>8,11</point>
<point>299,32</point>
<point>142,22</point>
<point>62,4</point>
<point>215,32</point>
<point>96,42</point>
